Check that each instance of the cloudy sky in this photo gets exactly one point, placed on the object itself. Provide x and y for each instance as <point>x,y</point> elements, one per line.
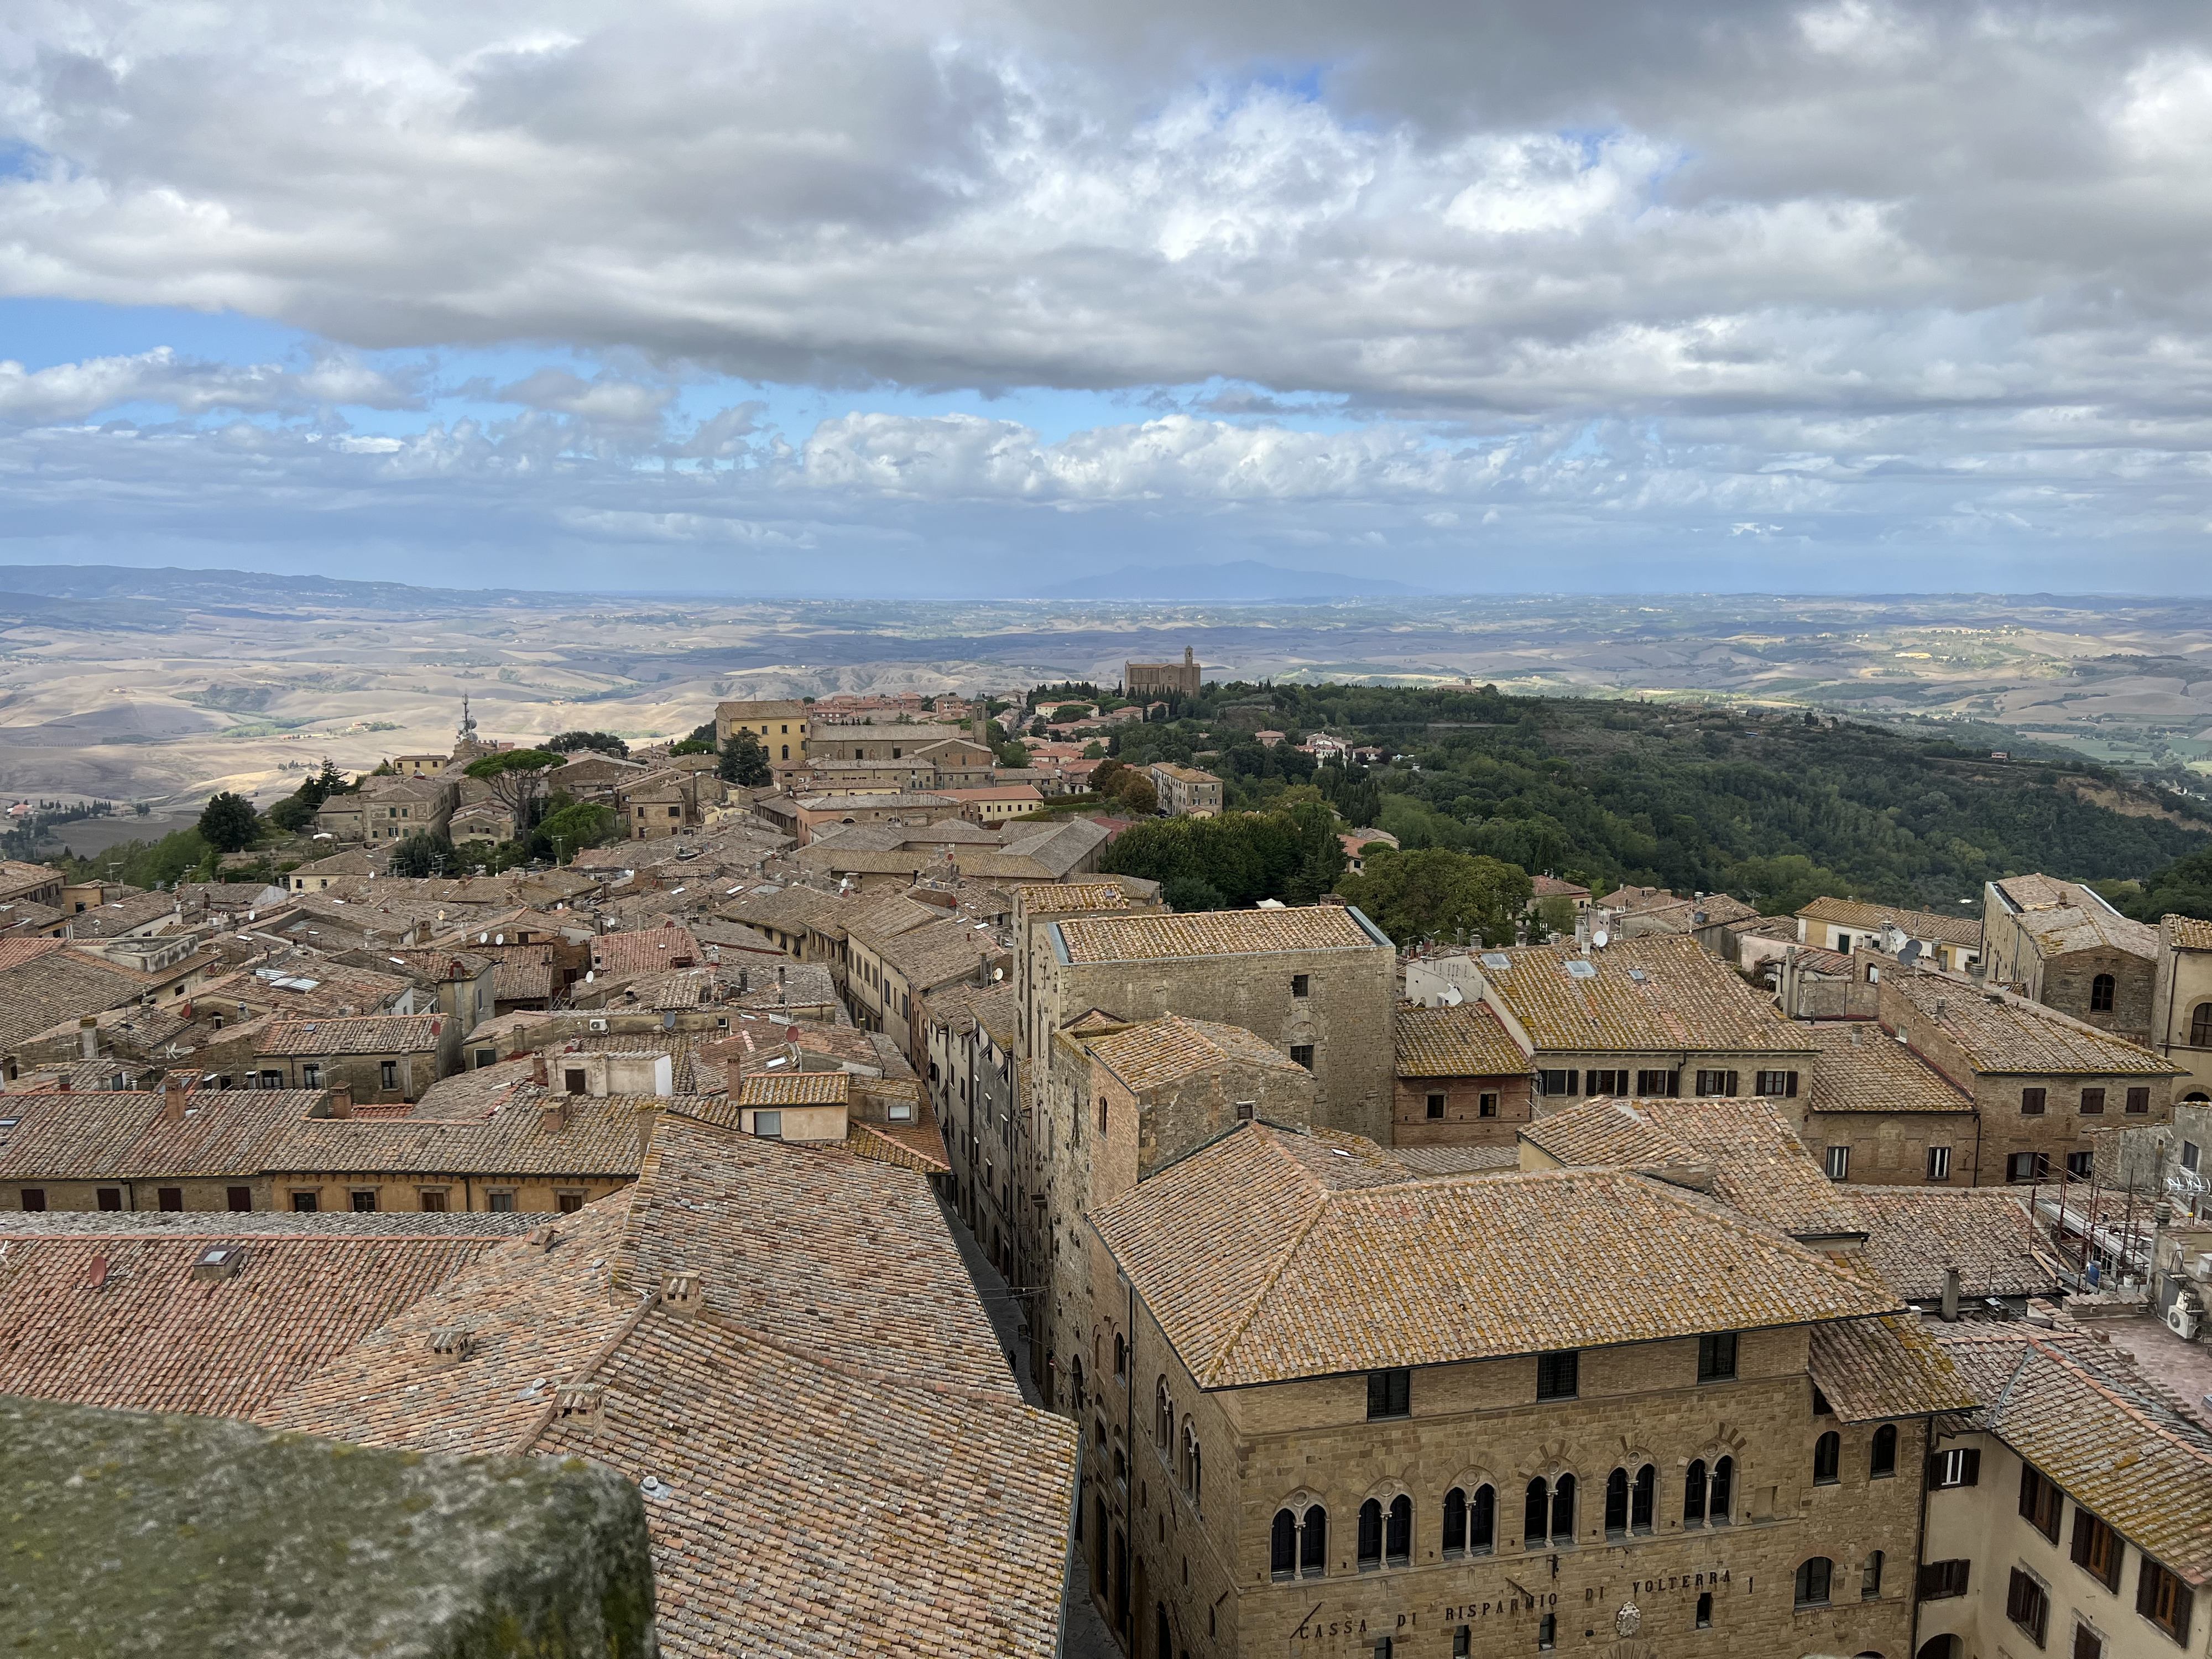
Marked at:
<point>923,297</point>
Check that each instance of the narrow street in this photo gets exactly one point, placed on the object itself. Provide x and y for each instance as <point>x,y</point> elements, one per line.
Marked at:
<point>1086,1635</point>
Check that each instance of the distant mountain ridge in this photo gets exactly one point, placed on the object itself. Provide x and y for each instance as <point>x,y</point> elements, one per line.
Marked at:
<point>215,590</point>
<point>1242,581</point>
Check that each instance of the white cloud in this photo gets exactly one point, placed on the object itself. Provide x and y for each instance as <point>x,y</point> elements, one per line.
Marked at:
<point>66,392</point>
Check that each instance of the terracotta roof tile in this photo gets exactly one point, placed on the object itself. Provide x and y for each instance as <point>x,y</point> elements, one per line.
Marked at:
<point>1260,1269</point>
<point>1687,1000</point>
<point>1863,1068</point>
<point>2002,1033</point>
<point>599,1138</point>
<point>2185,933</point>
<point>1870,1368</point>
<point>125,1137</point>
<point>1155,934</point>
<point>2058,916</point>
<point>795,1089</point>
<point>1913,1233</point>
<point>1463,1042</point>
<point>370,1034</point>
<point>1913,924</point>
<point>1160,1052</point>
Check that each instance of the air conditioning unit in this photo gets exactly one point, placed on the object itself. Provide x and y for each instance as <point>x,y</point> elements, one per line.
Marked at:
<point>2181,1320</point>
<point>598,1025</point>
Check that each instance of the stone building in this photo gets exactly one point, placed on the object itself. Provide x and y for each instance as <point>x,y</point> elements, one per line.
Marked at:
<point>1147,678</point>
<point>1952,943</point>
<point>1185,791</point>
<point>1318,981</point>
<point>1331,1408</point>
<point>1462,1081</point>
<point>1901,1120</point>
<point>2042,1083</point>
<point>2068,1511</point>
<point>2181,1002</point>
<point>381,1058</point>
<point>178,1148</point>
<point>780,724</point>
<point>969,1034</point>
<point>1651,1017</point>
<point>2069,948</point>
<point>1120,1103</point>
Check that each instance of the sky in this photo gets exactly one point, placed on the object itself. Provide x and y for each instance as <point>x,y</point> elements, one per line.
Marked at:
<point>919,298</point>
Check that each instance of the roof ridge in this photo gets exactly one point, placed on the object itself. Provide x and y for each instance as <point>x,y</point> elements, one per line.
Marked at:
<point>543,1420</point>
<point>1243,1321</point>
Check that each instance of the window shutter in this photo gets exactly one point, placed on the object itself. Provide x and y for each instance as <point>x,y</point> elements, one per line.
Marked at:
<point>1790,1092</point>
<point>1972,1476</point>
<point>1935,1469</point>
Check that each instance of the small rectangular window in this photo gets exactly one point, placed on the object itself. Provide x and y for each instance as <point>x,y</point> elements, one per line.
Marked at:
<point>2092,1101</point>
<point>568,1203</point>
<point>1301,984</point>
<point>2164,1600</point>
<point>1712,1085</point>
<point>2086,1645</point>
<point>1838,1162</point>
<point>1960,1466</point>
<point>487,1057</point>
<point>387,1074</point>
<point>2031,1101</point>
<point>2028,1606</point>
<point>2079,1166</point>
<point>1559,1375</point>
<point>1716,1356</point>
<point>239,1199</point>
<point>364,1201</point>
<point>169,1197</point>
<point>1557,1082</point>
<point>2041,1502</point>
<point>303,1203</point>
<point>1486,1106</point>
<point>1656,1085</point>
<point>1942,1579</point>
<point>2189,1154</point>
<point>1436,1106</point>
<point>2097,1549</point>
<point>432,1200</point>
<point>110,1198</point>
<point>33,1200</point>
<point>1939,1162</point>
<point>768,1125</point>
<point>500,1202</point>
<point>2138,1100</point>
<point>1390,1394</point>
<point>1303,1054</point>
<point>2028,1166</point>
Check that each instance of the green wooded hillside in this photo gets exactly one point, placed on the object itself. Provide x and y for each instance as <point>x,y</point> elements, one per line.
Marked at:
<point>1775,807</point>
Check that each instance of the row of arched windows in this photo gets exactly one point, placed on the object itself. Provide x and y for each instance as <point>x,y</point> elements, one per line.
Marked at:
<point>1181,1451</point>
<point>1298,1546</point>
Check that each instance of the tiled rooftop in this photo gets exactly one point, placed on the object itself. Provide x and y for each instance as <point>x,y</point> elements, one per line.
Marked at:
<point>1871,1368</point>
<point>857,1377</point>
<point>113,1315</point>
<point>2187,932</point>
<point>1965,931</point>
<point>1743,1151</point>
<point>1045,898</point>
<point>1863,1068</point>
<point>125,1137</point>
<point>1913,1233</point>
<point>1687,1000</point>
<point>1160,934</point>
<point>1262,1268</point>
<point>1160,1052</point>
<point>645,950</point>
<point>2065,915</point>
<point>599,1138</point>
<point>795,1089</point>
<point>370,1034</point>
<point>2094,1425</point>
<point>1463,1042</point>
<point>2002,1033</point>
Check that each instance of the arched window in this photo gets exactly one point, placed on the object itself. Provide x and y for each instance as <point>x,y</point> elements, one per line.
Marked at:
<point>1616,1503</point>
<point>1705,1617</point>
<point>1120,1355</point>
<point>1640,1498</point>
<point>1313,1543</point>
<point>2200,1026</point>
<point>1398,1533</point>
<point>1371,1536</point>
<point>1102,1112</point>
<point>1454,1531</point>
<point>1693,1495</point>
<point>2100,993</point>
<point>1870,1578</point>
<point>1562,1510</point>
<point>1193,1473</point>
<point>1536,1520</point>
<point>1828,1458</point>
<point>1812,1582</point>
<point>1882,1460</point>
<point>1162,1637</point>
<point>1283,1546</point>
<point>1482,1522</point>
<point>1723,1493</point>
<point>1075,1381</point>
<point>1163,1416</point>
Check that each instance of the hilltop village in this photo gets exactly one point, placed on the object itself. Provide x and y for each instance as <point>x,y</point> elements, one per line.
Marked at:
<point>956,1244</point>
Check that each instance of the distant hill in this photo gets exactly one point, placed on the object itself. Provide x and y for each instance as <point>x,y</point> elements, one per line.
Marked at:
<point>219,592</point>
<point>1242,581</point>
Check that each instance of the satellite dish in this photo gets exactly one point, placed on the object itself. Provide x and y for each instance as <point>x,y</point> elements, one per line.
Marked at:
<point>1599,939</point>
<point>1453,996</point>
<point>1911,953</point>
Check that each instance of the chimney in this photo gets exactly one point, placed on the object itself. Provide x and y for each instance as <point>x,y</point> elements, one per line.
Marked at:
<point>537,1071</point>
<point>341,1099</point>
<point>553,1116</point>
<point>1950,1295</point>
<point>87,1036</point>
<point>175,1088</point>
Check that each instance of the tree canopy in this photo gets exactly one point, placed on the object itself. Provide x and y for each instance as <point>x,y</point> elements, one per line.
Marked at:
<point>605,743</point>
<point>1433,892</point>
<point>229,823</point>
<point>743,761</point>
